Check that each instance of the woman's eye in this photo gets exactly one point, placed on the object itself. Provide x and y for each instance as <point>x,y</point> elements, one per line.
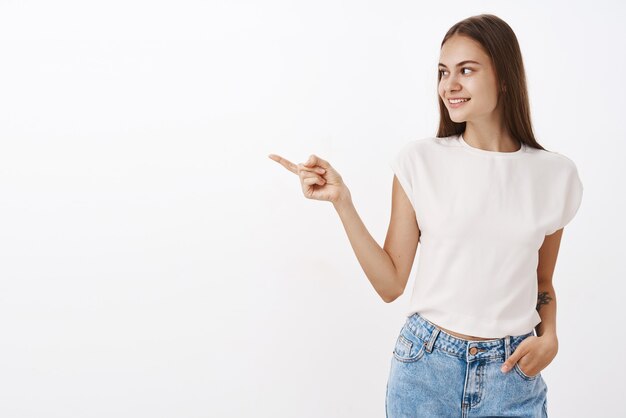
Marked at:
<point>464,68</point>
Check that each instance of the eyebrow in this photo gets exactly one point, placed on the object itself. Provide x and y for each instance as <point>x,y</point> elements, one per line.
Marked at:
<point>462,63</point>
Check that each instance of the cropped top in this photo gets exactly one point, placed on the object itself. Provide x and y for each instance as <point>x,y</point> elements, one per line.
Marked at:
<point>483,215</point>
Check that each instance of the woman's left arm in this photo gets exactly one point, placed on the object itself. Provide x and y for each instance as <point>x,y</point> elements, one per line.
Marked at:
<point>546,297</point>
<point>545,345</point>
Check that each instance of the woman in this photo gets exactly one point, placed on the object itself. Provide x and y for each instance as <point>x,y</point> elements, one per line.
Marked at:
<point>488,204</point>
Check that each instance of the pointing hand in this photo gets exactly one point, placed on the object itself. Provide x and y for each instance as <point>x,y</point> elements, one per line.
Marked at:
<point>319,180</point>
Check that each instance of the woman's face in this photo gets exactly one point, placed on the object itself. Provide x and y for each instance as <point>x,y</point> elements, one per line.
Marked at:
<point>469,80</point>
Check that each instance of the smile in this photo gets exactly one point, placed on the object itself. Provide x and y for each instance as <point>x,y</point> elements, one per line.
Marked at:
<point>454,103</point>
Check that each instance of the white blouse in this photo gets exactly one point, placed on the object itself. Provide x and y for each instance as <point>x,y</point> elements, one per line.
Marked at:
<point>483,215</point>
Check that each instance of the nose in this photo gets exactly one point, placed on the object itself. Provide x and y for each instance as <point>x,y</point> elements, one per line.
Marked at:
<point>450,84</point>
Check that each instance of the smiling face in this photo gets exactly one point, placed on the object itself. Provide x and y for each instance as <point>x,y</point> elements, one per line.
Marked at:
<point>467,72</point>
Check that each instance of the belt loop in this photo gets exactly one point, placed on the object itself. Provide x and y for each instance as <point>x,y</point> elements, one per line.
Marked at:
<point>507,347</point>
<point>431,340</point>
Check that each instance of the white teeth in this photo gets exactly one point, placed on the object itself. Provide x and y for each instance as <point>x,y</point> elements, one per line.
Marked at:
<point>457,100</point>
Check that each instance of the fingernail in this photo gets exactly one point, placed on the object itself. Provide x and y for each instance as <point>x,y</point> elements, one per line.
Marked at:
<point>504,368</point>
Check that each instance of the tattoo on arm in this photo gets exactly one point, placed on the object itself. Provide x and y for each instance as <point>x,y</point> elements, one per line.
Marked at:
<point>543,298</point>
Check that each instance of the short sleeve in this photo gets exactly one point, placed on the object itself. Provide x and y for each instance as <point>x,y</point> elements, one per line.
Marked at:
<point>572,199</point>
<point>404,169</point>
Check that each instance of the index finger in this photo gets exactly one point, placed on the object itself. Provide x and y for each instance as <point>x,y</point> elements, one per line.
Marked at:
<point>285,163</point>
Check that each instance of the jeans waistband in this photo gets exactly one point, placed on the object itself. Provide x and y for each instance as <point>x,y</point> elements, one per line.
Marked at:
<point>435,337</point>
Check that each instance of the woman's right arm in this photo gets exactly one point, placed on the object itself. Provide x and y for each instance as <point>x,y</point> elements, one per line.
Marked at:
<point>387,268</point>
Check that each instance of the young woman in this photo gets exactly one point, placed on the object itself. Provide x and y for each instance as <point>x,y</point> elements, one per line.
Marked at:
<point>488,205</point>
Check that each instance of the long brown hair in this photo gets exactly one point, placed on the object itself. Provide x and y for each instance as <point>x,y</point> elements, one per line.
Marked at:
<point>500,43</point>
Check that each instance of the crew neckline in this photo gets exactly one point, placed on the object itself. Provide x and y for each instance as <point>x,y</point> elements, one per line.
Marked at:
<point>492,153</point>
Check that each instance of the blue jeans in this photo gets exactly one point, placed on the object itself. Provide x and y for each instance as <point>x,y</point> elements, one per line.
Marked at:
<point>437,375</point>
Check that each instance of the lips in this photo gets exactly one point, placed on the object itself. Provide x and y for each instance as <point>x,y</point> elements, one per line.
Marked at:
<point>455,105</point>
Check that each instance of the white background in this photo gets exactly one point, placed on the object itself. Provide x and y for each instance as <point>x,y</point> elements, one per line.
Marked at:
<point>154,262</point>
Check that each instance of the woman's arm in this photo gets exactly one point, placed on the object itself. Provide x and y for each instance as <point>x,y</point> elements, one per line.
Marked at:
<point>537,352</point>
<point>546,297</point>
<point>386,268</point>
<point>546,306</point>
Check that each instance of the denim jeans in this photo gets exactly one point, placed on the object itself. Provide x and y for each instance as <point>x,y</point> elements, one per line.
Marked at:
<point>435,374</point>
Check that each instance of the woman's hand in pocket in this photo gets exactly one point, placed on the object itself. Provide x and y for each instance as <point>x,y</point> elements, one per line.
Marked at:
<point>533,354</point>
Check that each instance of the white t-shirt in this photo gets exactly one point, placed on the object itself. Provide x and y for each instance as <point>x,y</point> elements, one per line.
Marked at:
<point>483,216</point>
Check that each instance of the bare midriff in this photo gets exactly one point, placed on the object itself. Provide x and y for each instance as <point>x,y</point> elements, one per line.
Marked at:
<point>463,336</point>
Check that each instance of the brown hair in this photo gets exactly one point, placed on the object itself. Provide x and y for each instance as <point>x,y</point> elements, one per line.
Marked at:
<point>500,43</point>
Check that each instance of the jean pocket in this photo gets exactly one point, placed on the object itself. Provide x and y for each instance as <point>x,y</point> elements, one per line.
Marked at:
<point>524,375</point>
<point>408,349</point>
